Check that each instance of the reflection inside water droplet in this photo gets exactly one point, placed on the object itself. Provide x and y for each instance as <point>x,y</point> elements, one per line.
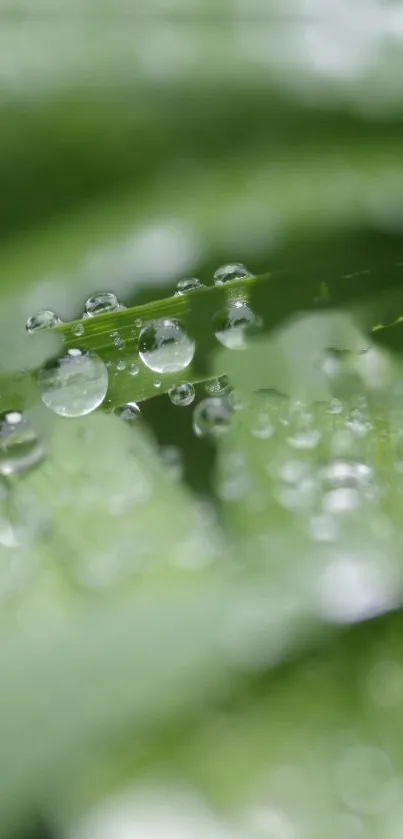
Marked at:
<point>182,394</point>
<point>231,271</point>
<point>211,417</point>
<point>101,304</point>
<point>44,319</point>
<point>165,347</point>
<point>128,412</point>
<point>187,285</point>
<point>218,386</point>
<point>78,329</point>
<point>75,384</point>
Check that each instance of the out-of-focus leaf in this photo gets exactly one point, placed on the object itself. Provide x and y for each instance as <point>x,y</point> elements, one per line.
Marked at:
<point>318,752</point>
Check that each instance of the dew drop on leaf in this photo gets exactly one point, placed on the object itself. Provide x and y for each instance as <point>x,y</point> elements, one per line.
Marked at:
<point>218,386</point>
<point>230,324</point>
<point>165,347</point>
<point>75,384</point>
<point>20,447</point>
<point>187,285</point>
<point>101,304</point>
<point>44,319</point>
<point>78,329</point>
<point>211,417</point>
<point>128,412</point>
<point>182,394</point>
<point>232,271</point>
<point>134,370</point>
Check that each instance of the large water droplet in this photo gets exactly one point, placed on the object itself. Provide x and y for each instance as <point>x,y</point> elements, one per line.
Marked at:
<point>165,347</point>
<point>211,417</point>
<point>182,394</point>
<point>187,285</point>
<point>232,271</point>
<point>75,384</point>
<point>101,304</point>
<point>128,412</point>
<point>230,324</point>
<point>42,320</point>
<point>20,448</point>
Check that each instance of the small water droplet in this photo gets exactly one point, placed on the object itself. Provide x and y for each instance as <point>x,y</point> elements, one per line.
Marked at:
<point>128,412</point>
<point>101,304</point>
<point>211,417</point>
<point>187,285</point>
<point>231,323</point>
<point>134,370</point>
<point>44,319</point>
<point>20,447</point>
<point>218,386</point>
<point>232,271</point>
<point>165,347</point>
<point>157,384</point>
<point>75,384</point>
<point>182,394</point>
<point>78,329</point>
<point>138,322</point>
<point>120,365</point>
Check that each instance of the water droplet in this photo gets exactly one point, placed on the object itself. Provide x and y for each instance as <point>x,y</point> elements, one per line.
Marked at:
<point>231,323</point>
<point>101,304</point>
<point>121,365</point>
<point>218,386</point>
<point>182,394</point>
<point>128,412</point>
<point>75,384</point>
<point>157,384</point>
<point>187,285</point>
<point>134,370</point>
<point>165,347</point>
<point>78,329</point>
<point>138,322</point>
<point>44,319</point>
<point>20,448</point>
<point>211,417</point>
<point>232,271</point>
